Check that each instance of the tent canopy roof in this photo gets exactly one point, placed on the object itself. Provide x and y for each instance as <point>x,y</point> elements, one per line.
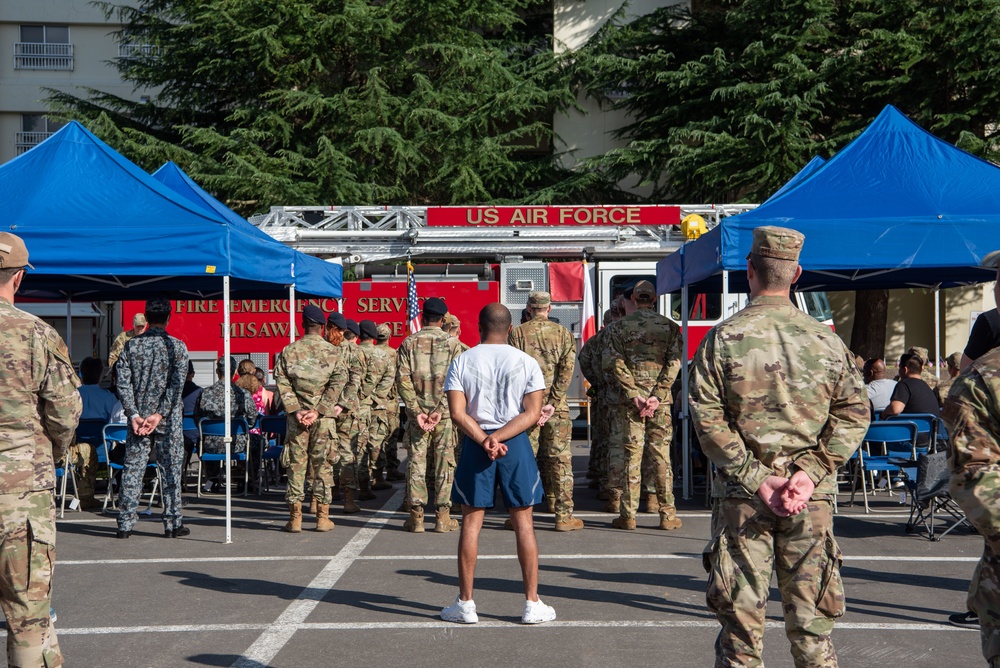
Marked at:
<point>897,207</point>
<point>98,227</point>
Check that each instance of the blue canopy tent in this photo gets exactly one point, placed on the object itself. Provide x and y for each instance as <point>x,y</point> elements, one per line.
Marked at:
<point>98,227</point>
<point>895,208</point>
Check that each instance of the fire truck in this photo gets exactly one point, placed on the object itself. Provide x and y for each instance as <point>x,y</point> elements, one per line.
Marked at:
<point>470,257</point>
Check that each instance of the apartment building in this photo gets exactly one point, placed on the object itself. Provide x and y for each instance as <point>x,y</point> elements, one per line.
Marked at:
<point>66,45</point>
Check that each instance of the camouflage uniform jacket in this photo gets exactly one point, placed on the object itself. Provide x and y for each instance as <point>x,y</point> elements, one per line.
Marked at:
<point>642,357</point>
<point>39,404</point>
<point>380,376</point>
<point>773,391</point>
<point>392,397</point>
<point>942,389</point>
<point>308,376</point>
<point>119,345</point>
<point>422,363</point>
<point>151,373</point>
<point>212,404</point>
<point>554,348</point>
<point>589,359</point>
<point>972,413</point>
<point>355,363</point>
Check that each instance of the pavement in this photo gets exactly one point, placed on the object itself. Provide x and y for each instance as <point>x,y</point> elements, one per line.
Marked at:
<point>369,593</point>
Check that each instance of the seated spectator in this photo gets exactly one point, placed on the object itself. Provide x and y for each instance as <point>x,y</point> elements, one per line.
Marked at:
<point>912,394</point>
<point>879,387</point>
<point>190,395</point>
<point>265,404</point>
<point>927,374</point>
<point>954,361</point>
<point>212,404</point>
<point>98,404</point>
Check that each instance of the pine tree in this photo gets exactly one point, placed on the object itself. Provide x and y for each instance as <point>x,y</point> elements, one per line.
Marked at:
<point>269,102</point>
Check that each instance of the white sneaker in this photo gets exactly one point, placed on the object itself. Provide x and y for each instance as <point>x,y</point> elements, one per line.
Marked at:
<point>463,612</point>
<point>536,612</point>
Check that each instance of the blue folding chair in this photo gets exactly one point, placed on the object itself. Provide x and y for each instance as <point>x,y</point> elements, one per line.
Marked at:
<point>275,426</point>
<point>899,441</point>
<point>116,434</point>
<point>217,427</point>
<point>928,426</point>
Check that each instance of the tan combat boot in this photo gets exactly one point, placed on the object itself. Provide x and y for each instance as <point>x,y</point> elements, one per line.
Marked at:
<point>614,503</point>
<point>652,503</point>
<point>416,522</point>
<point>443,522</point>
<point>364,493</point>
<point>323,522</point>
<point>550,503</point>
<point>623,523</point>
<point>294,524</point>
<point>350,507</point>
<point>312,506</point>
<point>669,520</point>
<point>378,482</point>
<point>568,523</point>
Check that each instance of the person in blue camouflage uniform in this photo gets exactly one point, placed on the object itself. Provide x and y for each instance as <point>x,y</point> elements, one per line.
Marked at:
<point>39,411</point>
<point>151,373</point>
<point>778,405</point>
<point>212,404</point>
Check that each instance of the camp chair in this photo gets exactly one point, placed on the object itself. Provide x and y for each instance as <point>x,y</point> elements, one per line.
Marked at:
<point>116,434</point>
<point>899,440</point>
<point>217,427</point>
<point>927,484</point>
<point>276,426</point>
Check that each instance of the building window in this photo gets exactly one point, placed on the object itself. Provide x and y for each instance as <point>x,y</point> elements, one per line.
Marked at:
<point>35,128</point>
<point>43,47</point>
<point>136,51</point>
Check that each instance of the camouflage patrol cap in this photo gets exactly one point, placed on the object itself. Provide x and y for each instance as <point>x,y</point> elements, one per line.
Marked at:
<point>780,243</point>
<point>13,252</point>
<point>954,360</point>
<point>451,322</point>
<point>383,332</point>
<point>644,292</point>
<point>139,320</point>
<point>919,352</point>
<point>538,299</point>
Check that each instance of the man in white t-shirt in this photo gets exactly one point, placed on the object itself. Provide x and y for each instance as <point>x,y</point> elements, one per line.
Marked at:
<point>495,394</point>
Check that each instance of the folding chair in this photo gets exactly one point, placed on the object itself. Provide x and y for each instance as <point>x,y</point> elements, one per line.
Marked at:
<point>927,484</point>
<point>89,431</point>
<point>188,425</point>
<point>62,473</point>
<point>217,427</point>
<point>900,442</point>
<point>115,434</point>
<point>276,426</point>
<point>928,425</point>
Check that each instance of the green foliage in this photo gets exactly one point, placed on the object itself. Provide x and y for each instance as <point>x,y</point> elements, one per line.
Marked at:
<point>269,102</point>
<point>727,103</point>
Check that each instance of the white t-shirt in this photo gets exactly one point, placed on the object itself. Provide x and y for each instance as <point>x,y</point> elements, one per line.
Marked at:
<point>495,378</point>
<point>879,392</point>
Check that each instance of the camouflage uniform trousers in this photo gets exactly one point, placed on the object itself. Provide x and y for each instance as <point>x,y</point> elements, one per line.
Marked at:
<point>168,450</point>
<point>597,465</point>
<point>310,455</point>
<point>749,541</point>
<point>352,435</point>
<point>389,455</point>
<point>636,439</point>
<point>978,493</point>
<point>552,445</point>
<point>420,445</point>
<point>378,434</point>
<point>364,461</point>
<point>84,457</point>
<point>430,477</point>
<point>26,561</point>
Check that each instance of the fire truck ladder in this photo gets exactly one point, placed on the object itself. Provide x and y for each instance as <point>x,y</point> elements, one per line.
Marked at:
<point>364,234</point>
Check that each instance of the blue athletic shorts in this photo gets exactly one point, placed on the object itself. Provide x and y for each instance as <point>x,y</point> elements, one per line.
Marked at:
<point>477,477</point>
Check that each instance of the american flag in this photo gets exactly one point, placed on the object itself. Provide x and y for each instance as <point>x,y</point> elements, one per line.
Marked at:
<point>412,306</point>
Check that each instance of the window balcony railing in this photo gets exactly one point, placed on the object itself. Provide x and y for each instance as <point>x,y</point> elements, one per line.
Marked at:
<point>40,56</point>
<point>138,51</point>
<point>23,141</point>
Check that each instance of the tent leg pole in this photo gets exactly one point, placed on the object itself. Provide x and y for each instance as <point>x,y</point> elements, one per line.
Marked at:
<point>685,420</point>
<point>69,327</point>
<point>937,332</point>
<point>291,314</point>
<point>229,399</point>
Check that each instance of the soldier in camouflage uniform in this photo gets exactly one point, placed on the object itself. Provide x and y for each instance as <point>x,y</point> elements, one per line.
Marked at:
<point>151,372</point>
<point>778,404</point>
<point>309,382</point>
<point>380,376</point>
<point>589,358</point>
<point>389,455</point>
<point>421,366</point>
<point>954,361</point>
<point>642,361</point>
<point>39,412</point>
<point>926,374</point>
<point>554,348</point>
<point>352,432</point>
<point>212,404</point>
<point>138,327</point>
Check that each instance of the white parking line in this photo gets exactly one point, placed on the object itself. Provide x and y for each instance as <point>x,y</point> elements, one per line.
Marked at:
<point>270,642</point>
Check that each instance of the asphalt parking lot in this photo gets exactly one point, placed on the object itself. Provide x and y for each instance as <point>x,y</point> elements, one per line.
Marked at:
<point>369,593</point>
